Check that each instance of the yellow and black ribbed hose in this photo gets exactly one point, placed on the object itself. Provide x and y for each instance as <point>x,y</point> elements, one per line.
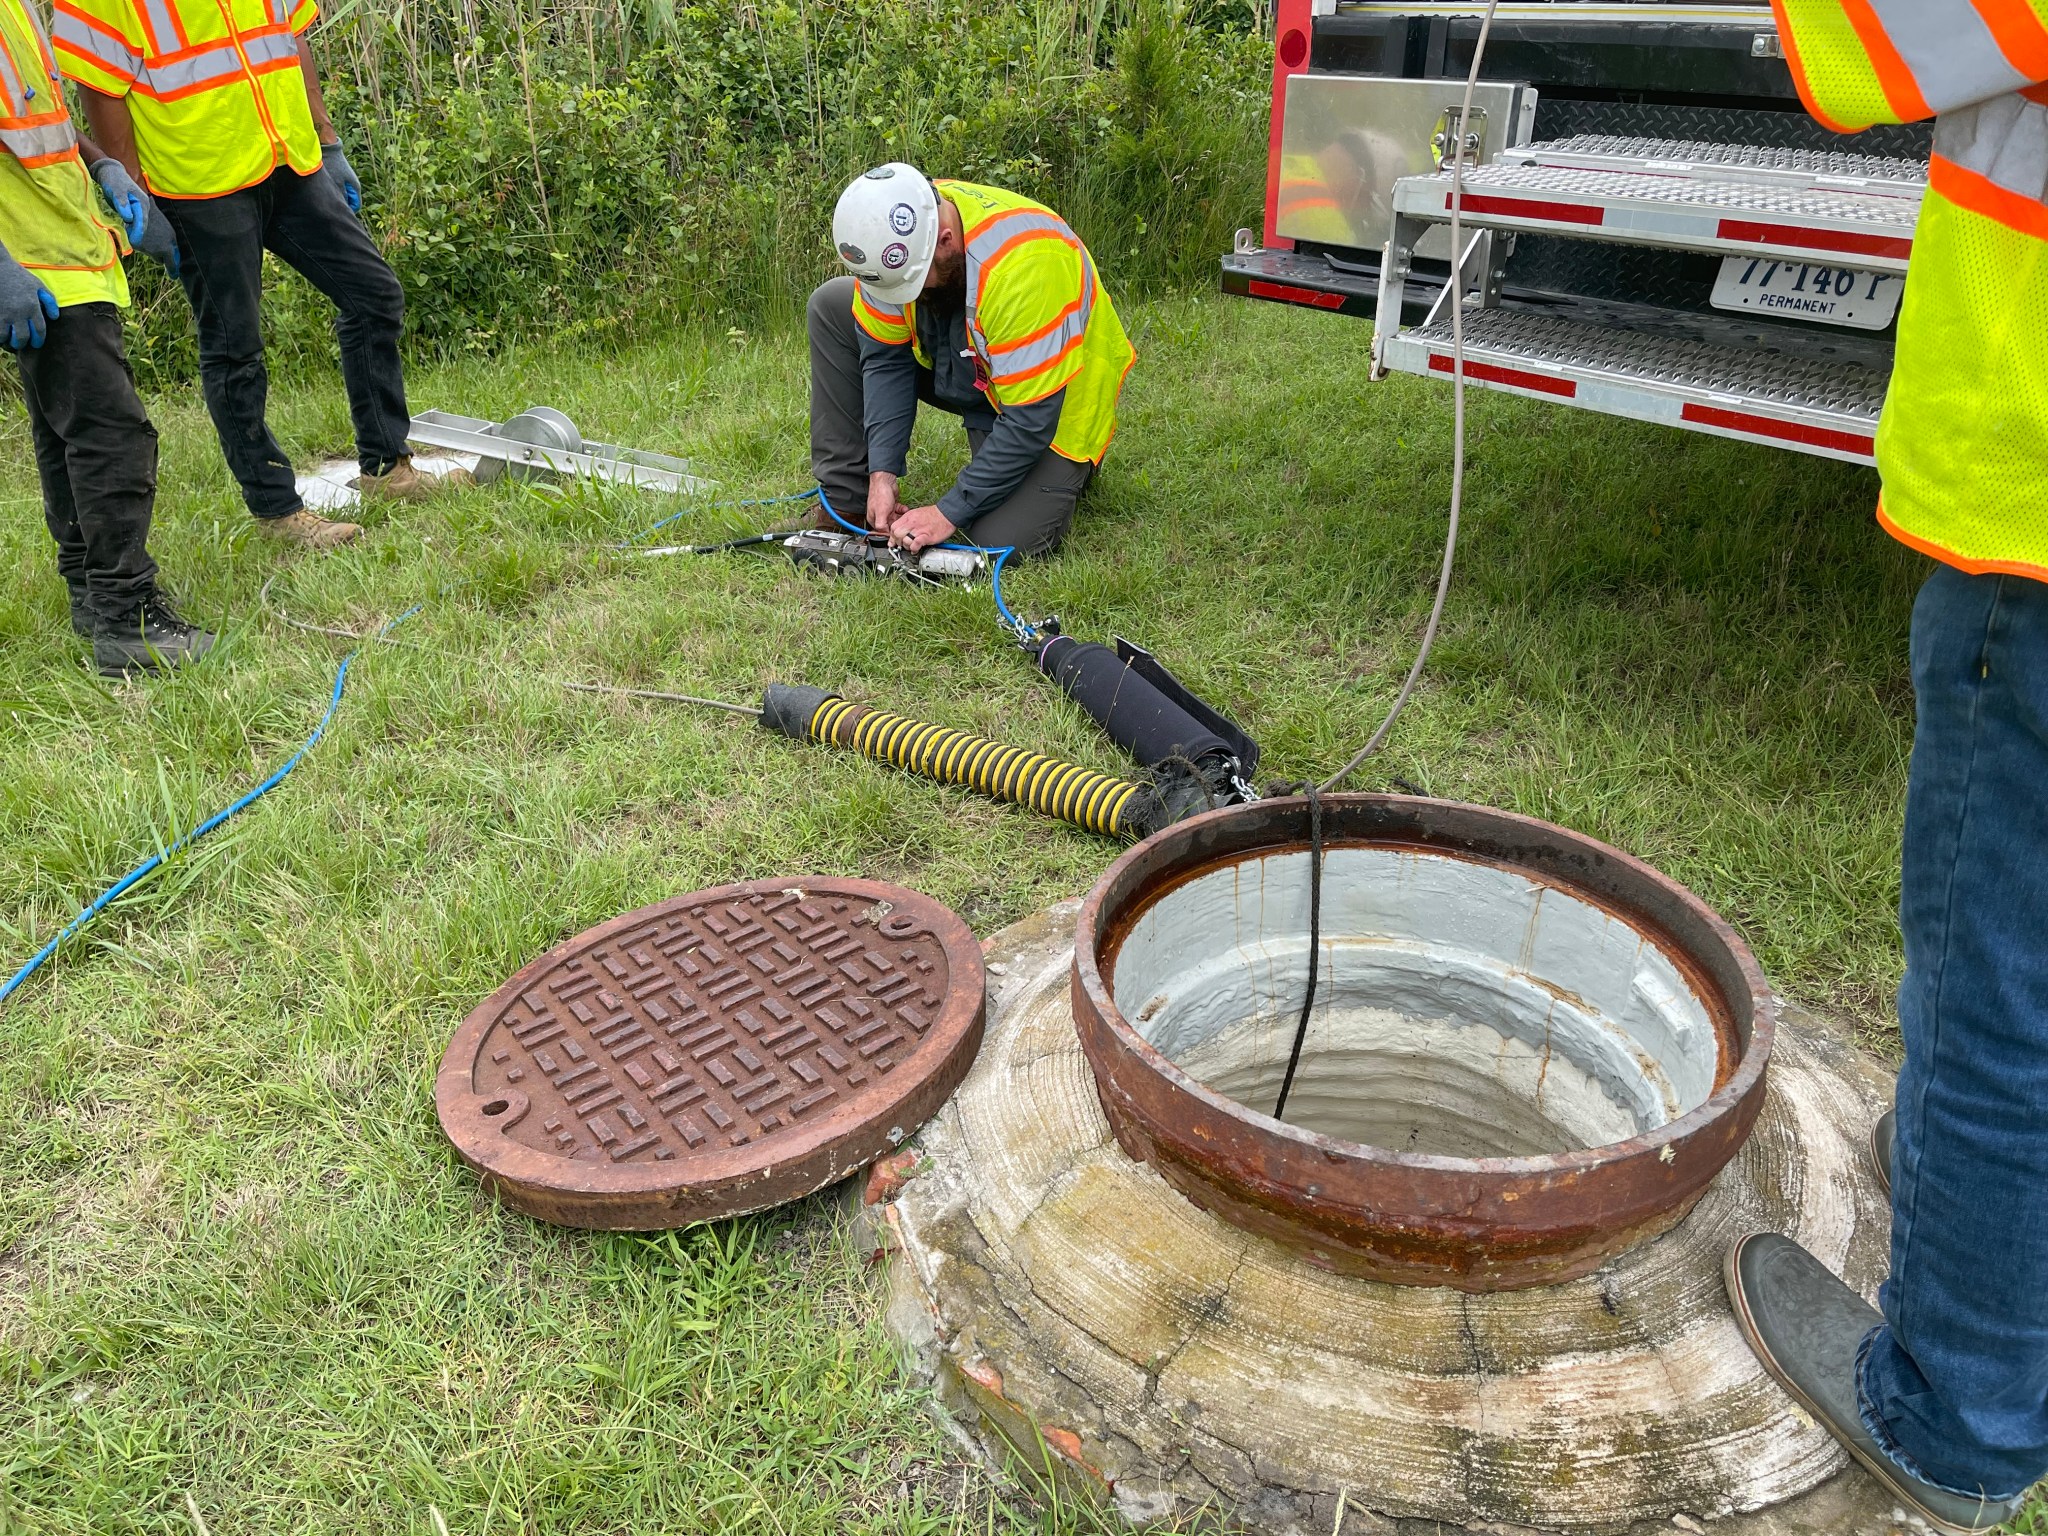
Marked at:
<point>1090,800</point>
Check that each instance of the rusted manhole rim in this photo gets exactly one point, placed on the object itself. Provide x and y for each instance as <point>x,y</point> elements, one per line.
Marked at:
<point>714,1054</point>
<point>1474,1223</point>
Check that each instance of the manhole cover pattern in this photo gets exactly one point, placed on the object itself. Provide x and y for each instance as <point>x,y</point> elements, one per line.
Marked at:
<point>715,1053</point>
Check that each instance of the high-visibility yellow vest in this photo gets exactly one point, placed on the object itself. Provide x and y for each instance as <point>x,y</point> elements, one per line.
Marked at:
<point>52,217</point>
<point>1963,443</point>
<point>1038,318</point>
<point>215,87</point>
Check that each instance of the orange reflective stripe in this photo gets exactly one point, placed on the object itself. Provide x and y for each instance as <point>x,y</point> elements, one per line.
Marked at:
<point>2020,34</point>
<point>1962,563</point>
<point>1980,194</point>
<point>1038,368</point>
<point>1894,76</point>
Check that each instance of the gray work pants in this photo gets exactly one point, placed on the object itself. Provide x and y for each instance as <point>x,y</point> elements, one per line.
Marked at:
<point>1035,517</point>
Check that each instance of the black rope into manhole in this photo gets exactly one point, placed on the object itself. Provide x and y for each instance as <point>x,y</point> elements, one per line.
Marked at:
<point>1315,940</point>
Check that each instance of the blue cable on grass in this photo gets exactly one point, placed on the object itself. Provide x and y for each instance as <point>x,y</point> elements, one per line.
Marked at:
<point>156,861</point>
<point>1001,552</point>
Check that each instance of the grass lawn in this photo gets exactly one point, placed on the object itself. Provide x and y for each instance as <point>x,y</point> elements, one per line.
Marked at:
<point>242,1279</point>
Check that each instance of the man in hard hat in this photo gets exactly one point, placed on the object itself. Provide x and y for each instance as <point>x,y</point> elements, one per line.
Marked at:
<point>61,292</point>
<point>1943,1394</point>
<point>988,306</point>
<point>215,107</point>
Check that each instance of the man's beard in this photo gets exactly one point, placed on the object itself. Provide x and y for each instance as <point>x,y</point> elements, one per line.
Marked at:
<point>948,273</point>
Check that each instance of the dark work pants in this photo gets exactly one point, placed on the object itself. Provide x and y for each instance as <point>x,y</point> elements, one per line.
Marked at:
<point>221,241</point>
<point>96,454</point>
<point>1035,517</point>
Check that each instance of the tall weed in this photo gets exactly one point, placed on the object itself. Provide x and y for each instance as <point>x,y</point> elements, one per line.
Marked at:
<point>578,168</point>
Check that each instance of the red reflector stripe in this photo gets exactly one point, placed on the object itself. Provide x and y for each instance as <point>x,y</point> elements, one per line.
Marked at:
<point>1530,208</point>
<point>1781,431</point>
<point>1287,293</point>
<point>1516,378</point>
<point>1803,239</point>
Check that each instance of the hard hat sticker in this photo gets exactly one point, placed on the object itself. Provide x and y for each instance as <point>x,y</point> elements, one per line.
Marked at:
<point>881,173</point>
<point>903,218</point>
<point>852,253</point>
<point>895,254</point>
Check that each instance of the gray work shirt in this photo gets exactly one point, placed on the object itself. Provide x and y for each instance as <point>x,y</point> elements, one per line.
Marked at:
<point>890,388</point>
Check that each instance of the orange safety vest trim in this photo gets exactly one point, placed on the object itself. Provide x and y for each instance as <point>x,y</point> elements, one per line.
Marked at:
<point>1963,443</point>
<point>53,220</point>
<point>215,86</point>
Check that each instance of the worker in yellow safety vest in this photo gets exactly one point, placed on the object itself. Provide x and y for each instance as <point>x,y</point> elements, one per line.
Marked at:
<point>986,305</point>
<point>1943,1393</point>
<point>64,228</point>
<point>215,107</point>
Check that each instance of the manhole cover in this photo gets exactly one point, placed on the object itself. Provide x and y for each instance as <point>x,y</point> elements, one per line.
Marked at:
<point>714,1054</point>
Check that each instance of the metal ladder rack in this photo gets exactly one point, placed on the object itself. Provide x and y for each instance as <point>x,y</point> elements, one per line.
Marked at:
<point>1853,214</point>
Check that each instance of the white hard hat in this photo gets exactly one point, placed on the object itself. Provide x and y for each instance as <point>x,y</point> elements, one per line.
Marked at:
<point>885,229</point>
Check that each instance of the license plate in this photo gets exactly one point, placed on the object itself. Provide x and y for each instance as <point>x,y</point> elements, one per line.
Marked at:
<point>1800,290</point>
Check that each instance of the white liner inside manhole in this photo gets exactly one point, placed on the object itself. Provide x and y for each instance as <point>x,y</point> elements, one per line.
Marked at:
<point>1462,1009</point>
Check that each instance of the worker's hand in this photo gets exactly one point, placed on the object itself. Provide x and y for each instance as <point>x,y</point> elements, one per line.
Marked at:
<point>335,160</point>
<point>919,529</point>
<point>26,306</point>
<point>148,230</point>
<point>884,505</point>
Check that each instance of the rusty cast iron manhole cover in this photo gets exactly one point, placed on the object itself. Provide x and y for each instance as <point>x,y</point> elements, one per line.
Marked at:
<point>714,1054</point>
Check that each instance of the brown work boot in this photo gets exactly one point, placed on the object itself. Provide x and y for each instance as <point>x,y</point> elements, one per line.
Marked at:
<point>309,529</point>
<point>402,482</point>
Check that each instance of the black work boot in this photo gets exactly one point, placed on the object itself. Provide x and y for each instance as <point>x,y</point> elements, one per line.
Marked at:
<point>81,611</point>
<point>1806,1327</point>
<point>150,637</point>
<point>1883,1139</point>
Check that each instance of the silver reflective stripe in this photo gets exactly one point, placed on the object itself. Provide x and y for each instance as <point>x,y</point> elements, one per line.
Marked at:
<point>2004,140</point>
<point>886,311</point>
<point>999,231</point>
<point>10,83</point>
<point>281,12</point>
<point>163,22</point>
<point>219,62</point>
<point>38,143</point>
<point>94,43</point>
<point>1953,56</point>
<point>1028,357</point>
<point>270,47</point>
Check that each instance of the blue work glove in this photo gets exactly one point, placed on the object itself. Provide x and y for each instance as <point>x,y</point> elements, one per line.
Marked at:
<point>26,306</point>
<point>148,230</point>
<point>335,159</point>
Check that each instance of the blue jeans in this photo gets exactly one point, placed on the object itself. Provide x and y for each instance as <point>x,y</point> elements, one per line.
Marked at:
<point>1955,1384</point>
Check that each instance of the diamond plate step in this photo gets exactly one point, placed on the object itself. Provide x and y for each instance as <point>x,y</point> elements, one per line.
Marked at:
<point>1823,408</point>
<point>1736,162</point>
<point>1871,231</point>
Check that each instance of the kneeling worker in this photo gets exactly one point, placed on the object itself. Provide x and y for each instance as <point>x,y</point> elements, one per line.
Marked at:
<point>986,305</point>
<point>61,293</point>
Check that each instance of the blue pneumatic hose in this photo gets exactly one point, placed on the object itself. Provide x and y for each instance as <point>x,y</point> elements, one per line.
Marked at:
<point>157,860</point>
<point>1001,553</point>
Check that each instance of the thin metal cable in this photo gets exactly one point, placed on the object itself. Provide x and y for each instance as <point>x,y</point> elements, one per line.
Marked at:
<point>1315,940</point>
<point>379,637</point>
<point>1443,582</point>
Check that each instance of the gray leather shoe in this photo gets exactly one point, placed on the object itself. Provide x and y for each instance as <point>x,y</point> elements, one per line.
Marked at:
<point>1882,1136</point>
<point>1806,1327</point>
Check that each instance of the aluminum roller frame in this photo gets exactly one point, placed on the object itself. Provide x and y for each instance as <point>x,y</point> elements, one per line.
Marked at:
<point>594,461</point>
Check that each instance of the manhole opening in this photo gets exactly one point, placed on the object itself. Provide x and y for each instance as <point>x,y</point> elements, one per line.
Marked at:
<point>1464,1009</point>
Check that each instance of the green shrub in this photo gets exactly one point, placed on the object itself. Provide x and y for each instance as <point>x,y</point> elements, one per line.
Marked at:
<point>576,170</point>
